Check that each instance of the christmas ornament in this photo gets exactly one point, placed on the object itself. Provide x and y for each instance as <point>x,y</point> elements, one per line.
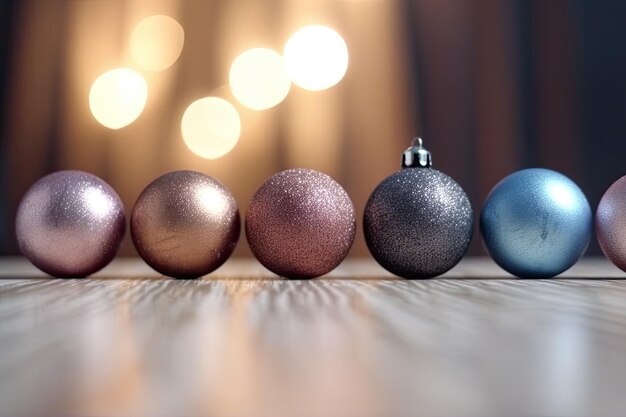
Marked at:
<point>611,223</point>
<point>70,224</point>
<point>185,224</point>
<point>536,223</point>
<point>300,223</point>
<point>418,222</point>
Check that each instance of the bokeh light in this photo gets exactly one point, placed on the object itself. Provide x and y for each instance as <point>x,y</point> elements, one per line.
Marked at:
<point>211,127</point>
<point>316,57</point>
<point>118,97</point>
<point>258,78</point>
<point>156,42</point>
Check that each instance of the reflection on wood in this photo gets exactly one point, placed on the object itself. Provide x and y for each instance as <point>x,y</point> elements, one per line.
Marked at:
<point>358,342</point>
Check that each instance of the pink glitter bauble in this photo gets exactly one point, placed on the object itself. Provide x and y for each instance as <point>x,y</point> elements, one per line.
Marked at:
<point>611,223</point>
<point>70,224</point>
<point>300,223</point>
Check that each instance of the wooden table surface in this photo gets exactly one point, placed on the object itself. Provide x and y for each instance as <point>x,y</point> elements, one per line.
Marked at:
<point>356,343</point>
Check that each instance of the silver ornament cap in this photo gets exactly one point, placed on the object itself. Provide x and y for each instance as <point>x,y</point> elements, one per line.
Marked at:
<point>416,156</point>
<point>418,222</point>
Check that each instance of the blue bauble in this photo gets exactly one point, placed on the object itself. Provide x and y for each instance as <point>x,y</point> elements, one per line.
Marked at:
<point>536,223</point>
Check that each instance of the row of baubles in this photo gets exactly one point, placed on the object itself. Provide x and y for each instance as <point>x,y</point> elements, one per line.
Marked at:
<point>301,223</point>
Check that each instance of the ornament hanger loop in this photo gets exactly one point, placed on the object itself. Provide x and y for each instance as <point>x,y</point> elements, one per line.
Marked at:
<point>416,156</point>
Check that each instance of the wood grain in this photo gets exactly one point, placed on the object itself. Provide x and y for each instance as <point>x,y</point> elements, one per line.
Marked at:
<point>356,343</point>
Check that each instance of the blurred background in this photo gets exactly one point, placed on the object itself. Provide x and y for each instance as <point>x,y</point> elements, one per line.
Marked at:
<point>491,86</point>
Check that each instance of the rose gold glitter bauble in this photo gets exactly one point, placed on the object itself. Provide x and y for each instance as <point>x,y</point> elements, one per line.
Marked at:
<point>300,223</point>
<point>611,223</point>
<point>185,224</point>
<point>70,224</point>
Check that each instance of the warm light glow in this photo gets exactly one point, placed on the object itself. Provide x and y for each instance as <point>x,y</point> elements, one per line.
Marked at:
<point>211,127</point>
<point>212,200</point>
<point>156,42</point>
<point>258,78</point>
<point>316,57</point>
<point>97,201</point>
<point>118,97</point>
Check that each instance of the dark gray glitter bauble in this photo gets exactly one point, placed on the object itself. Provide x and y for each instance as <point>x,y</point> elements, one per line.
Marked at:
<point>418,223</point>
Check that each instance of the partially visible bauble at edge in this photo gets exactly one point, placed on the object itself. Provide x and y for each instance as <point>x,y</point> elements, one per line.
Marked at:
<point>418,223</point>
<point>536,223</point>
<point>300,224</point>
<point>70,224</point>
<point>185,224</point>
<point>610,223</point>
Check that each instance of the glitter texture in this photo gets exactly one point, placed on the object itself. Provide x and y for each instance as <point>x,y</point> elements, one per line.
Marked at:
<point>70,224</point>
<point>611,223</point>
<point>185,224</point>
<point>536,223</point>
<point>300,223</point>
<point>418,223</point>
